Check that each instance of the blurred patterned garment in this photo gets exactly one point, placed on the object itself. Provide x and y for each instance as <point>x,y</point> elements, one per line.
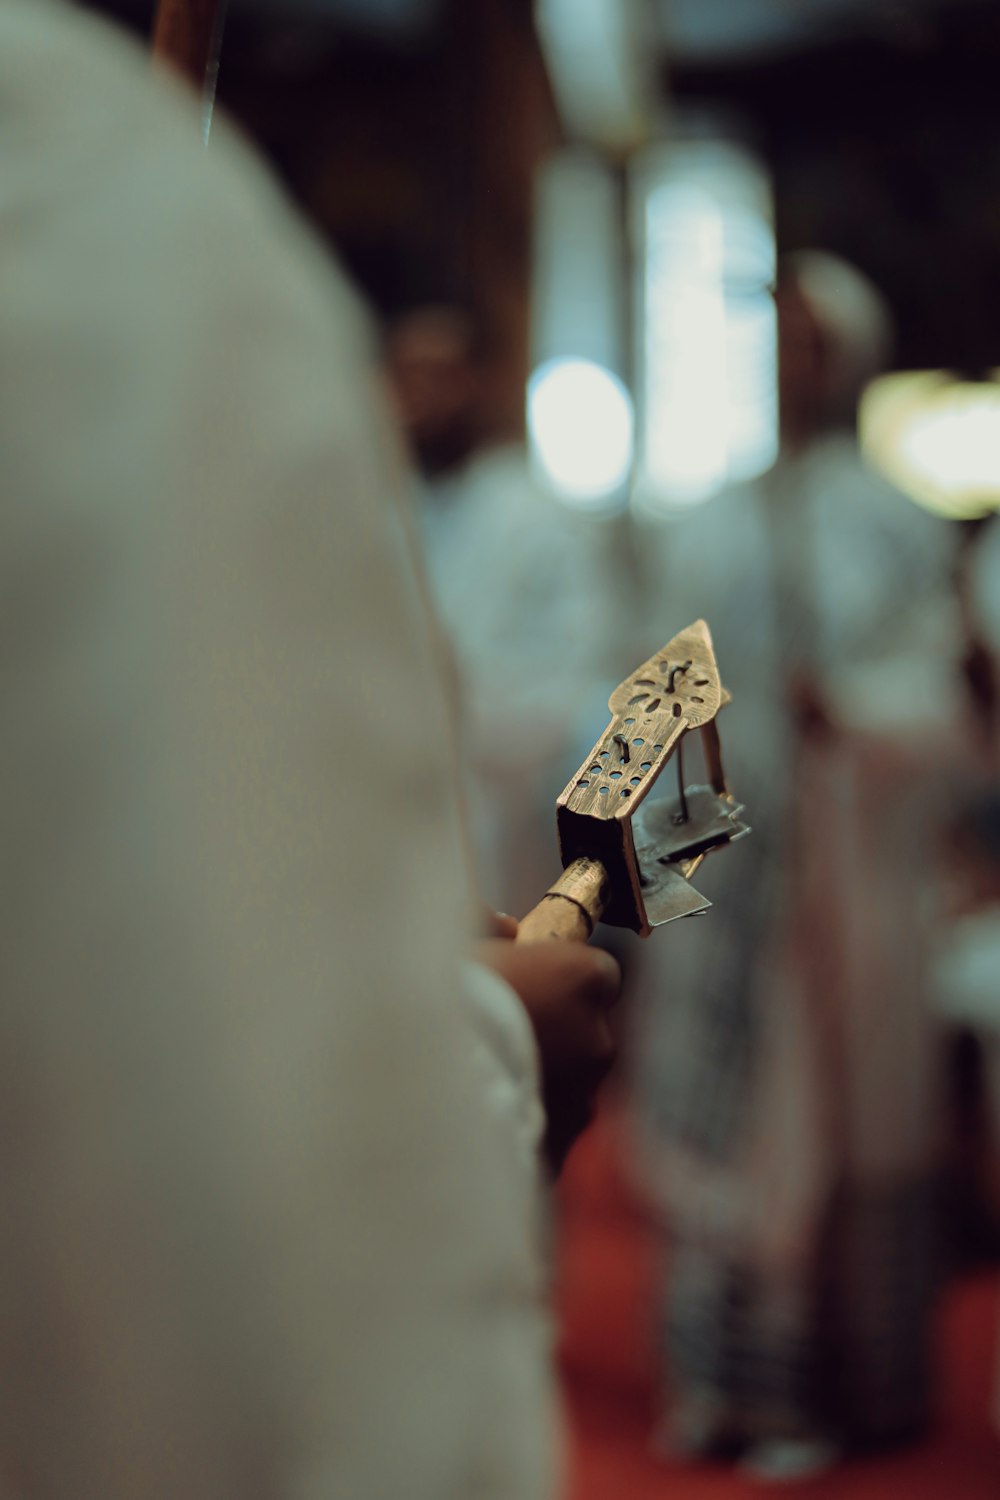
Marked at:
<point>782,1060</point>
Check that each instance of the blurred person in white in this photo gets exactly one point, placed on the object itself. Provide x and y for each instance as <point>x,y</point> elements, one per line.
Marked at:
<point>785,1091</point>
<point>268,1140</point>
<point>525,587</point>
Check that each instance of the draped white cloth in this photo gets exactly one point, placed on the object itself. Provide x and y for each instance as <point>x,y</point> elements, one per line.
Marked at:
<point>527,591</point>
<point>266,1232</point>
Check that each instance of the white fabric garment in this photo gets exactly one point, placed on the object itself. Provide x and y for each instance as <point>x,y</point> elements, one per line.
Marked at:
<point>524,589</point>
<point>266,1234</point>
<point>966,978</point>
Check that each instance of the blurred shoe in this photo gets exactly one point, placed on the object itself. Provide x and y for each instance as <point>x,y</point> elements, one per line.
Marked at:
<point>700,1426</point>
<point>784,1460</point>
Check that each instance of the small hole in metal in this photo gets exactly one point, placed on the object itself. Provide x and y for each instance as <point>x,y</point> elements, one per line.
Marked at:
<point>634,780</point>
<point>701,682</point>
<point>677,710</point>
<point>595,767</point>
<point>629,721</point>
<point>603,791</point>
<point>652,707</point>
<point>639,698</point>
<point>645,765</point>
<point>626,792</point>
<point>644,682</point>
<point>583,783</point>
<point>605,754</point>
<point>657,749</point>
<point>638,742</point>
<point>696,699</point>
<point>616,776</point>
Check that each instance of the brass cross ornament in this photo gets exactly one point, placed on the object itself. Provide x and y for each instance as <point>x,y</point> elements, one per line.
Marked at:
<point>627,859</point>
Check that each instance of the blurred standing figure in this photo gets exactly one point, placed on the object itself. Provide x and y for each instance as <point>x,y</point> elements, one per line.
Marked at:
<point>522,586</point>
<point>784,1091</point>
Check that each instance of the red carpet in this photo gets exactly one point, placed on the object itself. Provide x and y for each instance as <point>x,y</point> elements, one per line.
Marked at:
<point>605,1281</point>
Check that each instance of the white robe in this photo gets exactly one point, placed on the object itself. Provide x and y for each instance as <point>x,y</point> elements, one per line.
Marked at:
<point>266,1231</point>
<point>524,586</point>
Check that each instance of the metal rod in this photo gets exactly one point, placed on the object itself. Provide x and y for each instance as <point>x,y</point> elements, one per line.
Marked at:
<point>188,35</point>
<point>712,750</point>
<point>683,815</point>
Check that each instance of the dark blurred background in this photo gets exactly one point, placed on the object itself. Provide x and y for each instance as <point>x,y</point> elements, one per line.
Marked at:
<point>410,129</point>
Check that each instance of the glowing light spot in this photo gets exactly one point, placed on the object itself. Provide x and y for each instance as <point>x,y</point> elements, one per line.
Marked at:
<point>581,425</point>
<point>938,439</point>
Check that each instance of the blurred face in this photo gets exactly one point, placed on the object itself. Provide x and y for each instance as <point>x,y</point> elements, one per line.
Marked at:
<point>435,384</point>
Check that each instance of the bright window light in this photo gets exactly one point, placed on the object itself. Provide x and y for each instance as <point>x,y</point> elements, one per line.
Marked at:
<point>752,373</point>
<point>707,326</point>
<point>581,427</point>
<point>937,439</point>
<point>602,65</point>
<point>685,446</point>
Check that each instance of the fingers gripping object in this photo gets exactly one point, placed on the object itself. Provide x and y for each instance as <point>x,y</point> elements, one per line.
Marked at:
<point>627,859</point>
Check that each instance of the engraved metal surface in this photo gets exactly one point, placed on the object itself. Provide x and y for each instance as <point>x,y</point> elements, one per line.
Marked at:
<point>648,856</point>
<point>676,690</point>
